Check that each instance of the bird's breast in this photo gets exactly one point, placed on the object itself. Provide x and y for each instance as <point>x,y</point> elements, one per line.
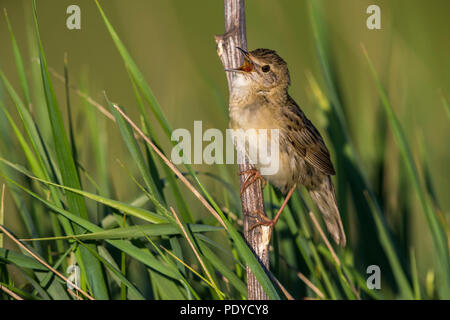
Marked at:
<point>260,128</point>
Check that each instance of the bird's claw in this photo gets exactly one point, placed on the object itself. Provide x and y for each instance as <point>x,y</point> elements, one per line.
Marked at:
<point>266,222</point>
<point>253,176</point>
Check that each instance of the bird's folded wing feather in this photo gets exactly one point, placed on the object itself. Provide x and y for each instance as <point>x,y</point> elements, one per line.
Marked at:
<point>307,140</point>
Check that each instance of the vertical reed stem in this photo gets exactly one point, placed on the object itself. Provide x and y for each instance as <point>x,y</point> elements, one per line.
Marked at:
<point>252,199</point>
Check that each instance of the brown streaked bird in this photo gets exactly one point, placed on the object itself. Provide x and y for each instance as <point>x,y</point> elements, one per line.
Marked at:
<point>260,100</point>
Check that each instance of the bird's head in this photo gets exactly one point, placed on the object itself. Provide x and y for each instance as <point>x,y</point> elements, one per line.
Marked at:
<point>263,70</point>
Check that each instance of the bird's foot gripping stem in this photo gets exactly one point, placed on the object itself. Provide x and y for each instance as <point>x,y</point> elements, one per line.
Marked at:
<point>253,176</point>
<point>265,221</point>
<point>271,223</point>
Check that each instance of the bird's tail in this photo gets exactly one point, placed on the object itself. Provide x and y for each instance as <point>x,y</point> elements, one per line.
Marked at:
<point>325,199</point>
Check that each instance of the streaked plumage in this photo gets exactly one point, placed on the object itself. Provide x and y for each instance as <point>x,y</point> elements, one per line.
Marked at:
<point>260,100</point>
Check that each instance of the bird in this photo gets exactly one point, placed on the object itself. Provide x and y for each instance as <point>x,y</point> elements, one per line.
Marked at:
<point>259,99</point>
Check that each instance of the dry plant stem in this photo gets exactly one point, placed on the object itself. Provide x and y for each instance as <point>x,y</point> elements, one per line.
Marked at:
<point>252,199</point>
<point>2,203</point>
<point>324,238</point>
<point>2,213</point>
<point>187,266</point>
<point>304,279</point>
<point>282,288</point>
<point>333,253</point>
<point>76,296</point>
<point>311,285</point>
<point>100,108</point>
<point>192,246</point>
<point>172,167</point>
<point>11,293</point>
<point>9,235</point>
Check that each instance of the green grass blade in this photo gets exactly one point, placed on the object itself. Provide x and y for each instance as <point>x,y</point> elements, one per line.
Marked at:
<point>139,231</point>
<point>246,253</point>
<point>21,293</point>
<point>137,78</point>
<point>347,154</point>
<point>31,158</point>
<point>243,248</point>
<point>63,150</point>
<point>414,274</point>
<point>37,287</point>
<point>123,245</point>
<point>68,170</point>
<point>248,256</point>
<point>436,229</point>
<point>148,95</point>
<point>184,282</point>
<point>27,216</point>
<point>137,75</point>
<point>312,256</point>
<point>19,63</point>
<point>39,161</point>
<point>121,206</point>
<point>171,181</point>
<point>168,290</point>
<point>133,147</point>
<point>28,122</point>
<point>20,260</point>
<point>2,212</point>
<point>446,105</point>
<point>46,280</point>
<point>427,176</point>
<point>69,112</point>
<point>387,244</point>
<point>218,264</point>
<point>116,272</point>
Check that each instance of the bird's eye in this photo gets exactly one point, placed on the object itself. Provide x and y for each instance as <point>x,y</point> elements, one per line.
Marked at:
<point>265,68</point>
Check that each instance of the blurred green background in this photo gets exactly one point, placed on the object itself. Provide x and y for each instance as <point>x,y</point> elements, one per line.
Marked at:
<point>172,43</point>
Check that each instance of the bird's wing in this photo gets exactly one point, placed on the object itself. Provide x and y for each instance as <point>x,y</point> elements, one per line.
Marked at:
<point>306,139</point>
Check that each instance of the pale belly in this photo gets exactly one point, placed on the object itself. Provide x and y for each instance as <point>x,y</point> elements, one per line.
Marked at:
<point>262,146</point>
<point>279,164</point>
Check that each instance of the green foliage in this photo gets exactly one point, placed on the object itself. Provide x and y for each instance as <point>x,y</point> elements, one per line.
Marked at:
<point>71,209</point>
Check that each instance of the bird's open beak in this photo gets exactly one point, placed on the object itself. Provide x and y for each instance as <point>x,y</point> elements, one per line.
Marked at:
<point>245,53</point>
<point>248,64</point>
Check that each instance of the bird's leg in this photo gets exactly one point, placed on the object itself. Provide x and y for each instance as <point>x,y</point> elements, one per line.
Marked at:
<point>271,223</point>
<point>253,175</point>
